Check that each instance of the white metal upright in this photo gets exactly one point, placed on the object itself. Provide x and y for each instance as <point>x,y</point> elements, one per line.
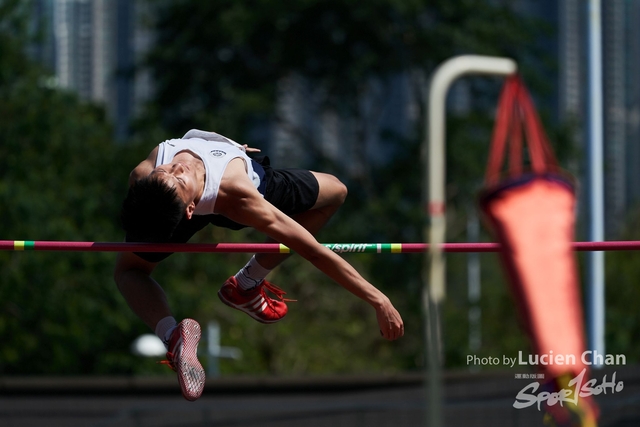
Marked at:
<point>435,178</point>
<point>595,183</point>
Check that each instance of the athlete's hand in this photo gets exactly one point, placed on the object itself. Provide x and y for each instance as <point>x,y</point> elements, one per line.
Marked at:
<point>389,321</point>
<point>248,149</point>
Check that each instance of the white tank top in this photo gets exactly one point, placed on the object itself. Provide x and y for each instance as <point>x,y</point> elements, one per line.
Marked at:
<point>215,151</point>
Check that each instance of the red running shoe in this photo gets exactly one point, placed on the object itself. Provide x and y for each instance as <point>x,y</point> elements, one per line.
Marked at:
<point>255,302</point>
<point>182,357</point>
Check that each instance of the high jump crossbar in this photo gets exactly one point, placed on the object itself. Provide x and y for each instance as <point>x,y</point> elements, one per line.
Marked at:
<point>71,246</point>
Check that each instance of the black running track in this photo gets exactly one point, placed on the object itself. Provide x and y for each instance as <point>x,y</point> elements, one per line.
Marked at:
<point>481,399</point>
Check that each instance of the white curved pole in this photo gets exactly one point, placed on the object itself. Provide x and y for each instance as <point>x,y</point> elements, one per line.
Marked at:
<point>441,81</point>
<point>434,159</point>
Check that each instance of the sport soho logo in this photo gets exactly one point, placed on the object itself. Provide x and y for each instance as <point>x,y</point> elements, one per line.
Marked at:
<point>576,388</point>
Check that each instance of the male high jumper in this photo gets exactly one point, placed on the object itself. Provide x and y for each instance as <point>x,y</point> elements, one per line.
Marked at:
<point>205,178</point>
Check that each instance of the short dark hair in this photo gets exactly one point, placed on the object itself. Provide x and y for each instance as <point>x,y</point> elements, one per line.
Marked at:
<point>151,211</point>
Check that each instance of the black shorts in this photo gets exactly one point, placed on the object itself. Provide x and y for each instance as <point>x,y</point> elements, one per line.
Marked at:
<point>292,191</point>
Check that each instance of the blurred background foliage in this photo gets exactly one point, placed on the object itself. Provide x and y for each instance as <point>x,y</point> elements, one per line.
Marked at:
<point>216,65</point>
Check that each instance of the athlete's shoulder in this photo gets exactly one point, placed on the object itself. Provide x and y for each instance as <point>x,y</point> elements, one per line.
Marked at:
<point>144,168</point>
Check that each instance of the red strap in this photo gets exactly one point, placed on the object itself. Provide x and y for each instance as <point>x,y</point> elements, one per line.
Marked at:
<point>542,157</point>
<point>515,112</point>
<point>500,131</point>
<point>515,149</point>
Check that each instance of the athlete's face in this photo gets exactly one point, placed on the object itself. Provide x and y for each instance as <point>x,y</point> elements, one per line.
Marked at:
<point>183,177</point>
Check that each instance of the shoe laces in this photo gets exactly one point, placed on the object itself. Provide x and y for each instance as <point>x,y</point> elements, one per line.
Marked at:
<point>168,361</point>
<point>279,293</point>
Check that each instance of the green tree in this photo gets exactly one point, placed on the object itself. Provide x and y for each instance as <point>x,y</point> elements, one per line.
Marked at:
<point>61,178</point>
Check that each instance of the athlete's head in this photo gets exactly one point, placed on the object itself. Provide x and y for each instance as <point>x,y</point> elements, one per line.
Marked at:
<point>183,176</point>
<point>152,210</point>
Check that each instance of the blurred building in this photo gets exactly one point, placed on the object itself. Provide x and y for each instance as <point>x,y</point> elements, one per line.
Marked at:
<point>91,47</point>
<point>308,125</point>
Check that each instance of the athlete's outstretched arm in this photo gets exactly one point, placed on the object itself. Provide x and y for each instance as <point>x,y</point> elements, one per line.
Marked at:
<point>240,201</point>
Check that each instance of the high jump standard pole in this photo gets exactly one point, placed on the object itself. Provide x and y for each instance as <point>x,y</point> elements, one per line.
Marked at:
<point>433,152</point>
<point>595,179</point>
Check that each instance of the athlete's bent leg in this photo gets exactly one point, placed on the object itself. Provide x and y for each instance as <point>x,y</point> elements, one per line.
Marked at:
<point>240,291</point>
